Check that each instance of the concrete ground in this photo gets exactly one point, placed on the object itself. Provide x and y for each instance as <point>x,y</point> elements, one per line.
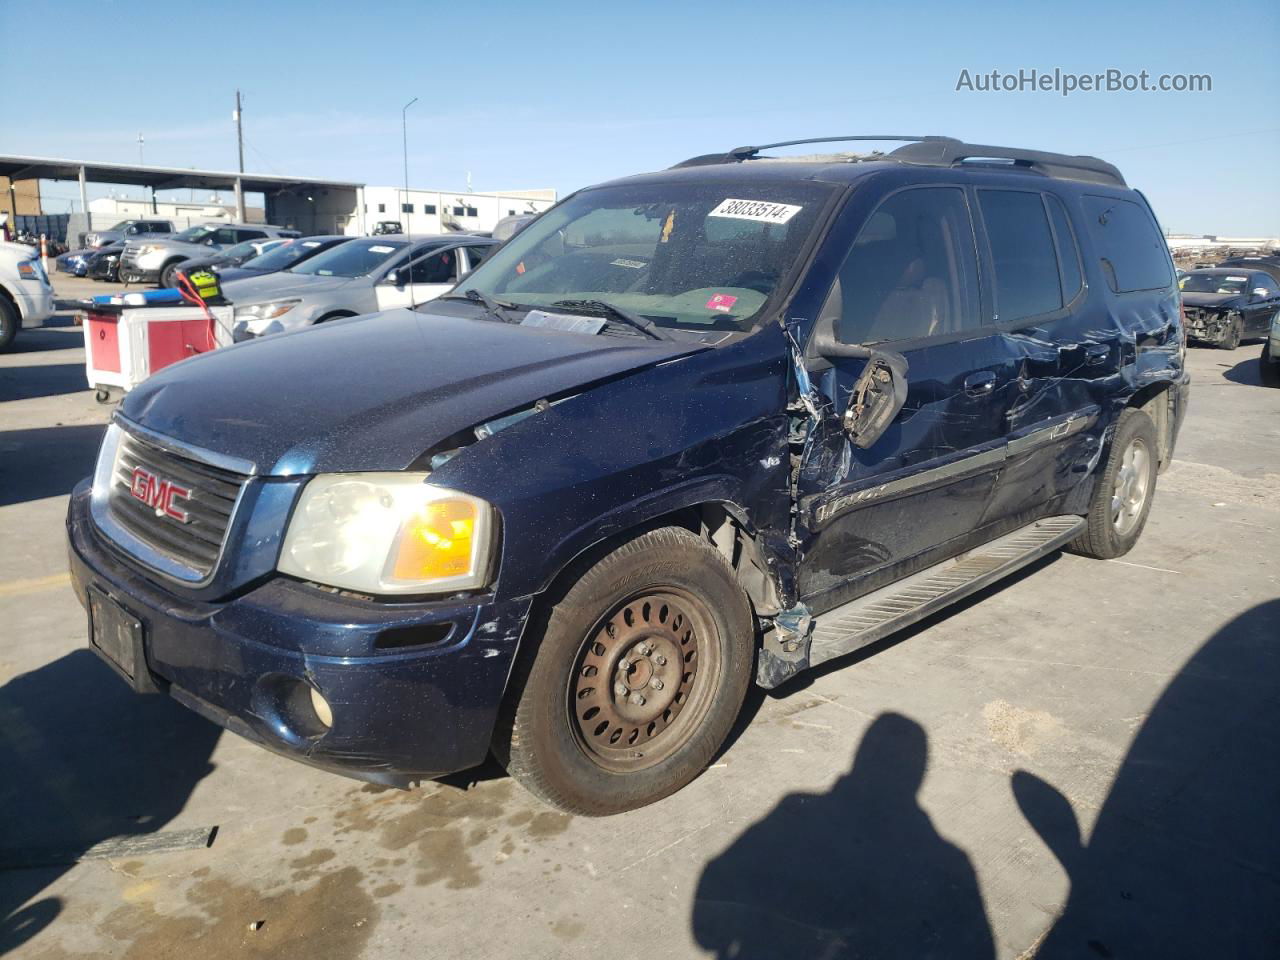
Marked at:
<point>1080,762</point>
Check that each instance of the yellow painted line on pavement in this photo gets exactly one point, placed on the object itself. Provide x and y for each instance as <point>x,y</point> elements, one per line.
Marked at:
<point>34,585</point>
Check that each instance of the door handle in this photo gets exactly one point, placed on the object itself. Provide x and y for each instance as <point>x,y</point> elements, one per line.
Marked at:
<point>980,384</point>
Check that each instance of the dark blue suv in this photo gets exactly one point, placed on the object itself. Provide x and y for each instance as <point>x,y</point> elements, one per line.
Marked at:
<point>687,430</point>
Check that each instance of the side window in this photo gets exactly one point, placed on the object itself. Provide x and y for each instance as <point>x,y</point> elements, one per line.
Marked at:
<point>912,271</point>
<point>1263,282</point>
<point>1068,249</point>
<point>1026,266</point>
<point>1133,254</point>
<point>436,268</point>
<point>226,235</point>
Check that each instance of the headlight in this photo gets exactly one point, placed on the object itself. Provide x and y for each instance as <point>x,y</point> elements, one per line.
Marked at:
<point>29,270</point>
<point>388,533</point>
<point>265,311</point>
<point>149,248</point>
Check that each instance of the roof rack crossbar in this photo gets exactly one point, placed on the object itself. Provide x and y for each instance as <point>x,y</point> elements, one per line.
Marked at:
<point>944,152</point>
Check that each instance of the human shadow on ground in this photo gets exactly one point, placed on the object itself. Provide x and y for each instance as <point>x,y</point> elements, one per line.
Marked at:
<point>46,461</point>
<point>858,871</point>
<point>1184,857</point>
<point>84,760</point>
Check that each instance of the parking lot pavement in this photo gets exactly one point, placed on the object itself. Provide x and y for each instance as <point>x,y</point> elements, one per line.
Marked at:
<point>1079,762</point>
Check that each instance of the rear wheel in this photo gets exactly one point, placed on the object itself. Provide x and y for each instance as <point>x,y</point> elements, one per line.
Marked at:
<point>638,676</point>
<point>1122,498</point>
<point>9,322</point>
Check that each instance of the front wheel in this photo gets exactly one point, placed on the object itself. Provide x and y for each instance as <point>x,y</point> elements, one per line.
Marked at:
<point>1122,498</point>
<point>1269,371</point>
<point>1232,335</point>
<point>169,275</point>
<point>640,671</point>
<point>9,323</point>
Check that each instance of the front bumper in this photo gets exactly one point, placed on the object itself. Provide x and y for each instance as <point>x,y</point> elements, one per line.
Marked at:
<point>1209,326</point>
<point>35,302</point>
<point>403,709</point>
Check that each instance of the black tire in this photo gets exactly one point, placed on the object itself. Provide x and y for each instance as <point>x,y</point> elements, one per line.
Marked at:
<point>1269,373</point>
<point>168,274</point>
<point>1109,535</point>
<point>667,606</point>
<point>10,321</point>
<point>1232,335</point>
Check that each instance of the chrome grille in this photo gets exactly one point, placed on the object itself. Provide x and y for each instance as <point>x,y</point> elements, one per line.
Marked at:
<point>194,544</point>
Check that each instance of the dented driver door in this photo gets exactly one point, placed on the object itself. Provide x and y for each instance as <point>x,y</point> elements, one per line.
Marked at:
<point>909,287</point>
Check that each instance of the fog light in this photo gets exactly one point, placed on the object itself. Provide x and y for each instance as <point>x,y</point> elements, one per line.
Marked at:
<point>324,713</point>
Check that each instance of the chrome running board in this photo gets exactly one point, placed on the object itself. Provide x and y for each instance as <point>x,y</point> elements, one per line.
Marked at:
<point>867,619</point>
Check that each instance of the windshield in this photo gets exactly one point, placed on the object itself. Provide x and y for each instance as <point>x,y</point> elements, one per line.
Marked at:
<point>119,226</point>
<point>1214,283</point>
<point>246,249</point>
<point>354,258</point>
<point>195,234</point>
<point>704,255</point>
<point>285,255</point>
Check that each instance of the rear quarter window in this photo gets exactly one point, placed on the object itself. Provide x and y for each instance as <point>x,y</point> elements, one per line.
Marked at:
<point>1132,252</point>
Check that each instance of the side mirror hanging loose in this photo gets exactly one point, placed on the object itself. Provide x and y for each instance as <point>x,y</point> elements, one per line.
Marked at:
<point>877,397</point>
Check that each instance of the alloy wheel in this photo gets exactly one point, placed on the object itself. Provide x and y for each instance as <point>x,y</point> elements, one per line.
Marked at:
<point>1132,485</point>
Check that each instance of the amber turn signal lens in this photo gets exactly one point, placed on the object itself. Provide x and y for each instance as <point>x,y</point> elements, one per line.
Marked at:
<point>437,542</point>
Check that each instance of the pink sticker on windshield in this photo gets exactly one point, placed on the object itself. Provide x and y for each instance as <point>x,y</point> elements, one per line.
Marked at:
<point>722,302</point>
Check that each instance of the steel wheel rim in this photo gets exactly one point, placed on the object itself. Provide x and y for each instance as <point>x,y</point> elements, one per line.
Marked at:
<point>644,679</point>
<point>1132,484</point>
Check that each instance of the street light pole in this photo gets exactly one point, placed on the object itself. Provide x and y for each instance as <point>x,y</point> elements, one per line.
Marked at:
<point>404,130</point>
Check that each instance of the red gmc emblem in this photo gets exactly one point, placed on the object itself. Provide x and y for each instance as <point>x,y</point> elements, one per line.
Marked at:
<point>159,494</point>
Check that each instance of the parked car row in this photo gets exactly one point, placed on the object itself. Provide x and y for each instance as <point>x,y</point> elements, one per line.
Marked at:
<point>685,431</point>
<point>155,259</point>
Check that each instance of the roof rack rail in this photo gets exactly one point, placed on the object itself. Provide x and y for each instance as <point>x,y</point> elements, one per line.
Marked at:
<point>738,154</point>
<point>940,151</point>
<point>946,152</point>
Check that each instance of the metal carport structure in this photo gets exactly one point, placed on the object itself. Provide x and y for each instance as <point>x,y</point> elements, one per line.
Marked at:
<point>273,187</point>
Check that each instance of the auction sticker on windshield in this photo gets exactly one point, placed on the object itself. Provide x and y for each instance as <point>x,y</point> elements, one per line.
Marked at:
<point>757,210</point>
<point>722,302</point>
<point>381,249</point>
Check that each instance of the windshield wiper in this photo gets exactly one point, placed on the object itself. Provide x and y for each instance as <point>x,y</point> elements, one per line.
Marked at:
<point>495,308</point>
<point>647,327</point>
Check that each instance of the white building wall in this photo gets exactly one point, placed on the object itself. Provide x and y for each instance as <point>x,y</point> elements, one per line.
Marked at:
<point>440,211</point>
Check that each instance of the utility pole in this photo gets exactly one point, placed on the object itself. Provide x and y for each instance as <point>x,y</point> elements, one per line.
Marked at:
<point>404,129</point>
<point>240,215</point>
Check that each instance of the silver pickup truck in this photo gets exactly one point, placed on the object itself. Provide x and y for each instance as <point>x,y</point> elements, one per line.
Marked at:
<point>155,259</point>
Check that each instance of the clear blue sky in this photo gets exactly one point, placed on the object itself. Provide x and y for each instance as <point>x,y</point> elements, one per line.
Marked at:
<point>565,94</point>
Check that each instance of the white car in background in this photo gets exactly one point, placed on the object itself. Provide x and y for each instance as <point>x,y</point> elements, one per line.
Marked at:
<point>26,297</point>
<point>364,275</point>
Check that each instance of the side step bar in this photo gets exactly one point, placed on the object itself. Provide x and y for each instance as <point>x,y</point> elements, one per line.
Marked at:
<point>900,604</point>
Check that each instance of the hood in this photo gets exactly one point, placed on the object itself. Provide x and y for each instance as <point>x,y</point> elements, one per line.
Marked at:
<point>374,392</point>
<point>176,246</point>
<point>273,286</point>
<point>14,252</point>
<point>1212,299</point>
